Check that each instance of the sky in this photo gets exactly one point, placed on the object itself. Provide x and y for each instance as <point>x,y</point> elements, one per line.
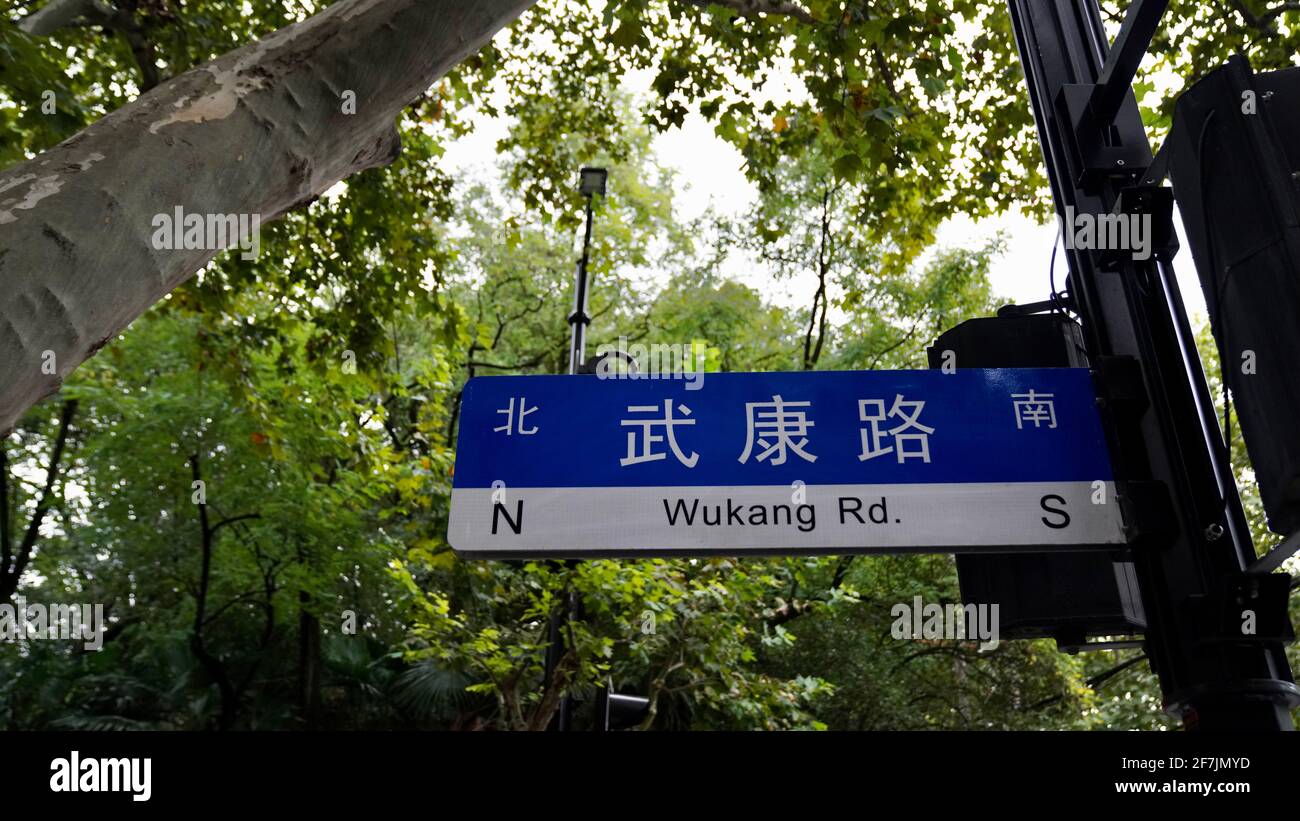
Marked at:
<point>710,174</point>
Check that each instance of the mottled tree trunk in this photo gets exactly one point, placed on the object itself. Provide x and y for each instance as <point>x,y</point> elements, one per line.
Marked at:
<point>258,131</point>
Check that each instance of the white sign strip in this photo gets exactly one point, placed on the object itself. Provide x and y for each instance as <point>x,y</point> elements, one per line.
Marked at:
<point>883,518</point>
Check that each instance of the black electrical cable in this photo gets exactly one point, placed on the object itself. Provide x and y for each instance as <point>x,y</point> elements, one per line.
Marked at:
<point>1051,269</point>
<point>1058,305</point>
<point>1216,289</point>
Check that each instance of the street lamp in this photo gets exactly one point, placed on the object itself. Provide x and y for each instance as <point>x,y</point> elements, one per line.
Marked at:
<point>591,181</point>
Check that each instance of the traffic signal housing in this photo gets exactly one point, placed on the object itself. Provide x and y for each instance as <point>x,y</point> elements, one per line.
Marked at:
<point>1233,156</point>
<point>1066,596</point>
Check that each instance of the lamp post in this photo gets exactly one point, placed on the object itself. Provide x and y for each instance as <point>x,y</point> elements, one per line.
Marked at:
<point>591,181</point>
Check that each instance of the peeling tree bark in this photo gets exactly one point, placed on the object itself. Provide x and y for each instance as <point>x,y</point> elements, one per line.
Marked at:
<point>257,131</point>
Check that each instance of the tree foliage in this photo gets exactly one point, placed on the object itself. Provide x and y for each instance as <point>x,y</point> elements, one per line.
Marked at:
<point>254,479</point>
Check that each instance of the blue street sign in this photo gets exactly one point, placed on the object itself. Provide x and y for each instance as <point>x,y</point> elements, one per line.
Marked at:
<point>833,461</point>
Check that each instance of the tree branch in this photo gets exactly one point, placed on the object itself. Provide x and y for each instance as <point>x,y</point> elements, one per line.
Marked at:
<point>211,664</point>
<point>55,15</point>
<point>1264,23</point>
<point>6,537</point>
<point>258,132</point>
<point>9,576</point>
<point>747,8</point>
<point>231,520</point>
<point>73,13</point>
<point>1094,682</point>
<point>531,362</point>
<point>1277,11</point>
<point>810,353</point>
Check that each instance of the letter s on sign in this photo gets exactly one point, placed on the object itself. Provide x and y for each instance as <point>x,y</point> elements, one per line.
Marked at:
<point>1055,523</point>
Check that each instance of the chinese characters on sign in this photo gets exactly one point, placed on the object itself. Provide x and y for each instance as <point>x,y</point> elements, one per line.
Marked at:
<point>908,412</point>
<point>776,428</point>
<point>509,413</point>
<point>1034,407</point>
<point>781,427</point>
<point>648,439</point>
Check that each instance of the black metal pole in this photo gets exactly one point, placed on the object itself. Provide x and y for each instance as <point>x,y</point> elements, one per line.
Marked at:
<point>1125,55</point>
<point>571,609</point>
<point>1132,308</point>
<point>579,320</point>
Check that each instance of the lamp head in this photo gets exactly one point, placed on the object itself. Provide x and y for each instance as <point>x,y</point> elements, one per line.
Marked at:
<point>592,181</point>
